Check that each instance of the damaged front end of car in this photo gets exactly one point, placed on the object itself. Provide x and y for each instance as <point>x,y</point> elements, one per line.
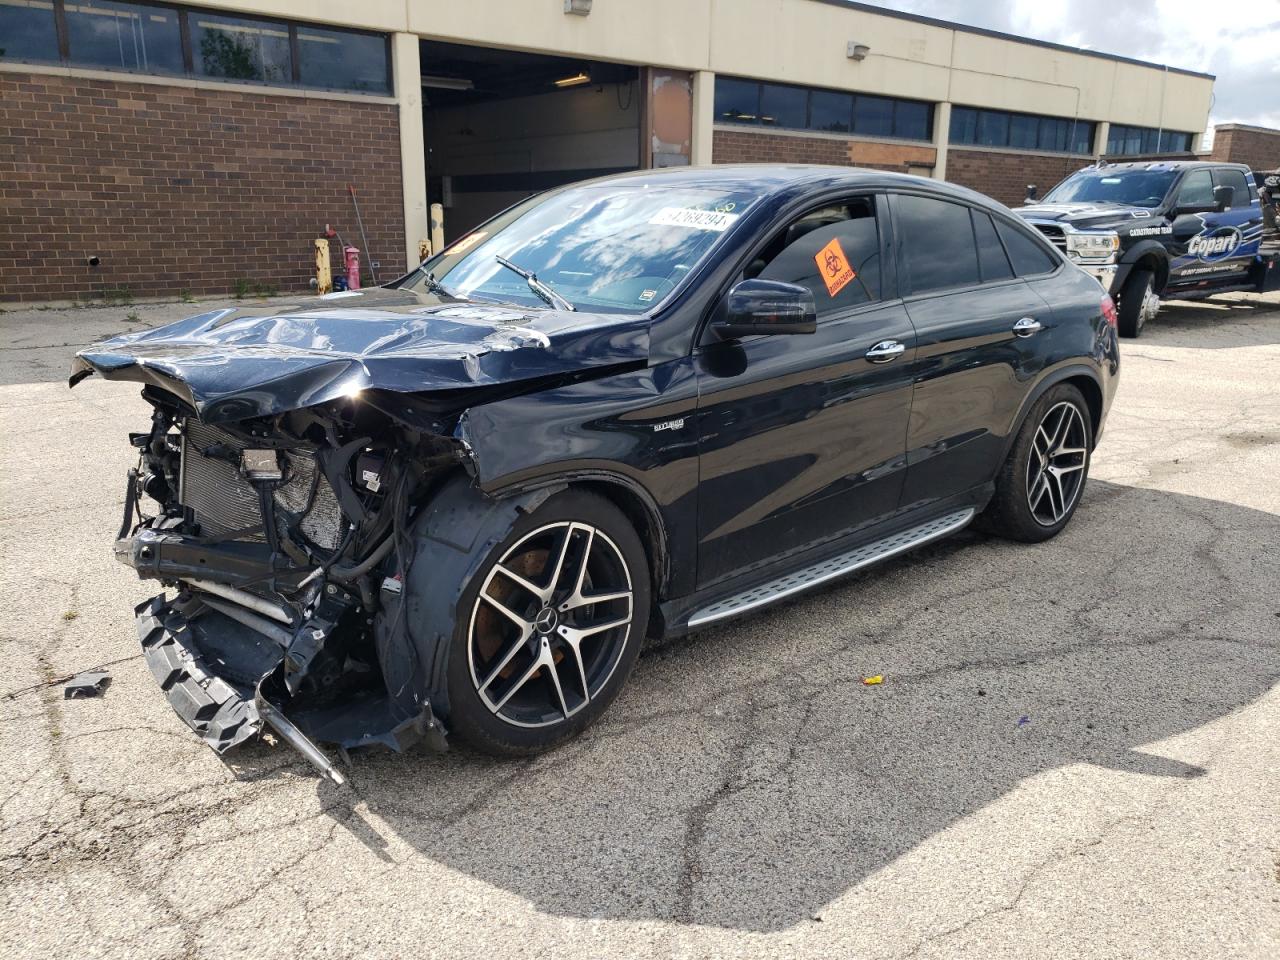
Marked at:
<point>281,496</point>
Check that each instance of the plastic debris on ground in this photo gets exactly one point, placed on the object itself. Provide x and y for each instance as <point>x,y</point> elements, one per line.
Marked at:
<point>872,681</point>
<point>90,684</point>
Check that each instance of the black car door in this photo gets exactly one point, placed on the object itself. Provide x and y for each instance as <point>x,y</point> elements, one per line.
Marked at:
<point>802,436</point>
<point>977,325</point>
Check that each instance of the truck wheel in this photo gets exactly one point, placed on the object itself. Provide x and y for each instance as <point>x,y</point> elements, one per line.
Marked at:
<point>1138,302</point>
<point>549,627</point>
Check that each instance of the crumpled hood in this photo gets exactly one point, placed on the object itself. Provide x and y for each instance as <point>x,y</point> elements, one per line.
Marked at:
<point>235,363</point>
<point>1086,215</point>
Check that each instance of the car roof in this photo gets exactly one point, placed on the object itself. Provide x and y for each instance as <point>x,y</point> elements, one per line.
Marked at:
<point>788,178</point>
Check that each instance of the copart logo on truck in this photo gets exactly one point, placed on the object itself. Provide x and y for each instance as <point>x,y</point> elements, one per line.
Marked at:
<point>1216,244</point>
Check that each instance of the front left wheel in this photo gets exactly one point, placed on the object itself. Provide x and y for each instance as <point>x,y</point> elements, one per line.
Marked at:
<point>549,627</point>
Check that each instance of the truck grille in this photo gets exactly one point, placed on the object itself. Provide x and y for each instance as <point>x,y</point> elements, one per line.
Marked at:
<point>1054,235</point>
<point>224,502</point>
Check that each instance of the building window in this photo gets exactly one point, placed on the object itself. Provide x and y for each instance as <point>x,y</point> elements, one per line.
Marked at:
<point>28,30</point>
<point>235,48</point>
<point>1023,131</point>
<point>124,36</point>
<point>164,39</point>
<point>1131,141</point>
<point>790,107</point>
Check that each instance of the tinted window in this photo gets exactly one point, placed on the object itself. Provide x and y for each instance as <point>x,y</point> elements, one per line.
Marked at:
<point>873,116</point>
<point>964,125</point>
<point>937,244</point>
<point>27,30</point>
<point>124,36</point>
<point>830,111</point>
<point>911,120</point>
<point>737,101</point>
<point>236,48</point>
<point>1023,131</point>
<point>1028,256</point>
<point>993,129</point>
<point>822,248</point>
<point>782,106</point>
<point>1235,180</point>
<point>341,60</point>
<point>1196,189</point>
<point>991,255</point>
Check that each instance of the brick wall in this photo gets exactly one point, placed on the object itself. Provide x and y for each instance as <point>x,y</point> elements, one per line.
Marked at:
<point>746,146</point>
<point>184,189</point>
<point>1005,176</point>
<point>1259,147</point>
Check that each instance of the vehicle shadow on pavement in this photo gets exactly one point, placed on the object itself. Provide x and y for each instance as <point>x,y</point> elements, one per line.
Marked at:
<point>748,777</point>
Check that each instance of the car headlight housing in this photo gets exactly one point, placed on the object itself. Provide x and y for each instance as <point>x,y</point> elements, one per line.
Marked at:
<point>1096,247</point>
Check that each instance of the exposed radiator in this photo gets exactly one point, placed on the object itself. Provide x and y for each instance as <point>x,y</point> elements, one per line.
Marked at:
<point>224,502</point>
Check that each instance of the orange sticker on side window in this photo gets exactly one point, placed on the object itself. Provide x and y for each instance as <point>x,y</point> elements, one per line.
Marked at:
<point>834,267</point>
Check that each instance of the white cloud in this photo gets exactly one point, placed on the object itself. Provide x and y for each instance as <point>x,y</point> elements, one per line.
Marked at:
<point>1238,42</point>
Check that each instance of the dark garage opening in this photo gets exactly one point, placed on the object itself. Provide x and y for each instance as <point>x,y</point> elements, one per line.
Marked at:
<point>502,125</point>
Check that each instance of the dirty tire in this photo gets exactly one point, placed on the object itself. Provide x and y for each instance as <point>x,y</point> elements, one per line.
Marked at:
<point>1019,510</point>
<point>1137,286</point>
<point>514,649</point>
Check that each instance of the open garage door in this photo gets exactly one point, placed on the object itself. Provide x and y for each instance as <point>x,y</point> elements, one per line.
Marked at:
<point>502,125</point>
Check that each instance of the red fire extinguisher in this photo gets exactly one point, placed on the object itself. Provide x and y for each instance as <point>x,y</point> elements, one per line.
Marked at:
<point>352,255</point>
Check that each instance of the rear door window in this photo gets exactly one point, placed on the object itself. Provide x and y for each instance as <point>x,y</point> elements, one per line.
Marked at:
<point>938,247</point>
<point>1028,255</point>
<point>834,251</point>
<point>991,256</point>
<point>1235,180</point>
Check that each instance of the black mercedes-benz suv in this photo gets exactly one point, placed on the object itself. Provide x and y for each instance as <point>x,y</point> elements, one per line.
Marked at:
<point>626,408</point>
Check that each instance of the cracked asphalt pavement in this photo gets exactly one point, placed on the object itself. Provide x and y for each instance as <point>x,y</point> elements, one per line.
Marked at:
<point>1075,751</point>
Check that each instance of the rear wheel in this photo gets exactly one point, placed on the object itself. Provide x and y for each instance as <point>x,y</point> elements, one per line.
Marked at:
<point>1138,302</point>
<point>1040,485</point>
<point>549,628</point>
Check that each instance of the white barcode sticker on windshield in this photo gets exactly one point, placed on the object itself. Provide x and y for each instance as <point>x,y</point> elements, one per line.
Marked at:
<point>696,219</point>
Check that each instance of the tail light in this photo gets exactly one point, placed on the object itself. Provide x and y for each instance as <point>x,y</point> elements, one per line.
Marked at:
<point>1109,311</point>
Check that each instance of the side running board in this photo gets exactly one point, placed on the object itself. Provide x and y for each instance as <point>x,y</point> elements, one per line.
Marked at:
<point>829,569</point>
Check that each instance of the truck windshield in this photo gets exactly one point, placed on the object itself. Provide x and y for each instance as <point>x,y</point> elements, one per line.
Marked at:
<point>612,248</point>
<point>1136,188</point>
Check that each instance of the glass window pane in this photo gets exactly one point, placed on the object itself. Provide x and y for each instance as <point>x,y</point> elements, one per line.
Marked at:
<point>1082,138</point>
<point>873,117</point>
<point>911,121</point>
<point>964,125</point>
<point>342,60</point>
<point>27,30</point>
<point>937,243</point>
<point>991,255</point>
<point>236,48</point>
<point>1053,134</point>
<point>993,129</point>
<point>124,36</point>
<point>737,101</point>
<point>1150,141</point>
<point>1023,131</point>
<point>1196,189</point>
<point>805,253</point>
<point>1028,256</point>
<point>783,106</point>
<point>1235,180</point>
<point>830,111</point>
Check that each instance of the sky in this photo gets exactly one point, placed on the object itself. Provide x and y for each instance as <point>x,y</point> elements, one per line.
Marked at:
<point>1237,41</point>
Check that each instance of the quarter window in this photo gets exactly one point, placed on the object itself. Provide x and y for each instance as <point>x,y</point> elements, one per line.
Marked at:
<point>821,249</point>
<point>1027,254</point>
<point>937,243</point>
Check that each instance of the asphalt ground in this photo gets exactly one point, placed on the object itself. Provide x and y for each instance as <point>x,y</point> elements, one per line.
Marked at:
<point>1075,751</point>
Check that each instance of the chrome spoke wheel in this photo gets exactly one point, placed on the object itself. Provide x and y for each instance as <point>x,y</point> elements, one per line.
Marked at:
<point>550,624</point>
<point>1056,464</point>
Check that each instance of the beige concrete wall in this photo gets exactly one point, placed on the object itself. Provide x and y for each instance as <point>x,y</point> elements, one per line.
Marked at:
<point>799,41</point>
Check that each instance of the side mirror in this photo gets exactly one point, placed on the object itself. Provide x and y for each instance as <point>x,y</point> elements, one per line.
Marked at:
<point>1223,197</point>
<point>767,306</point>
<point>1031,191</point>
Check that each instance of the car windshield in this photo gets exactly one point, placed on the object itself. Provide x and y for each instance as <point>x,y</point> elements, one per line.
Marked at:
<point>1136,188</point>
<point>609,248</point>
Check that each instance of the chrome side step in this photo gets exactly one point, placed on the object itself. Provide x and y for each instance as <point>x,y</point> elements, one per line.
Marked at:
<point>838,566</point>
